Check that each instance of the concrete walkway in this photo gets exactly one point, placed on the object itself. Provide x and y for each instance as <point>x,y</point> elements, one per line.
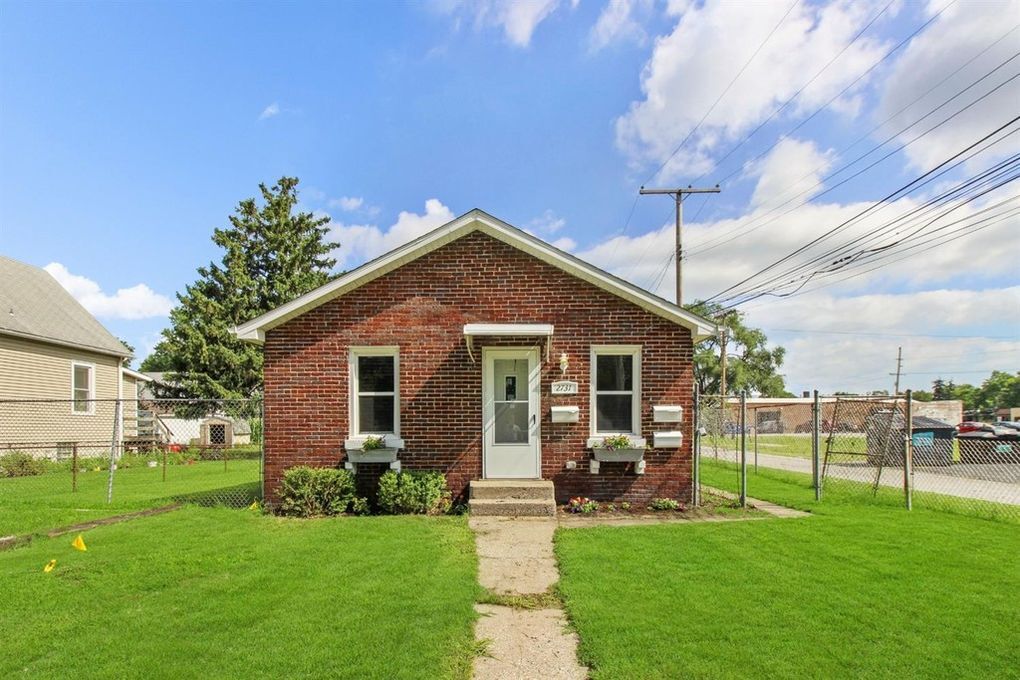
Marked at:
<point>515,557</point>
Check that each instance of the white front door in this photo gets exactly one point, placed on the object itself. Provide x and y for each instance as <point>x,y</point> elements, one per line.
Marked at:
<point>511,390</point>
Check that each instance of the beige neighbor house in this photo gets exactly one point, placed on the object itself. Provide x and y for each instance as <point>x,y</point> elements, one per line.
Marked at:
<point>61,371</point>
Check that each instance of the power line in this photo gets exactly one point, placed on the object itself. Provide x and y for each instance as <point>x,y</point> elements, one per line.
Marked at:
<point>925,246</point>
<point>806,85</point>
<point>847,88</point>
<point>746,228</point>
<point>875,206</point>
<point>726,90</point>
<point>891,335</point>
<point>1001,219</point>
<point>997,174</point>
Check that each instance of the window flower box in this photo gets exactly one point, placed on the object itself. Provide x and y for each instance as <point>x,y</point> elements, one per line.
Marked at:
<point>617,448</point>
<point>373,449</point>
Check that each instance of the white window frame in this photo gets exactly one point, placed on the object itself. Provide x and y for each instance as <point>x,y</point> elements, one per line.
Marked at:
<point>356,437</point>
<point>90,400</point>
<point>624,350</point>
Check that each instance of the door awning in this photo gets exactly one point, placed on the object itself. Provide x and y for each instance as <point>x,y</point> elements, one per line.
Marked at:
<point>534,330</point>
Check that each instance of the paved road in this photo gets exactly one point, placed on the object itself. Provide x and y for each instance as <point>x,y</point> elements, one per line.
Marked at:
<point>972,486</point>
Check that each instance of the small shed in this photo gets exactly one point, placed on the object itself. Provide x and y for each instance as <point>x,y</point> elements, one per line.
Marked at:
<point>219,431</point>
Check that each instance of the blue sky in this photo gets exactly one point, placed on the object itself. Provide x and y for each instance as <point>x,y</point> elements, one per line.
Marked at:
<point>129,131</point>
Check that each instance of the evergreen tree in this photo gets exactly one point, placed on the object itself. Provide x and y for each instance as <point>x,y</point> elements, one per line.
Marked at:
<point>751,364</point>
<point>271,256</point>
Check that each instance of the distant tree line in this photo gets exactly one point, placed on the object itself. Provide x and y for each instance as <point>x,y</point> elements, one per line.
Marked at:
<point>1000,390</point>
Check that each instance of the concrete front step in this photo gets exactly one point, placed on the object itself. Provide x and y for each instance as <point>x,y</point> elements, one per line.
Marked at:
<point>505,489</point>
<point>512,507</point>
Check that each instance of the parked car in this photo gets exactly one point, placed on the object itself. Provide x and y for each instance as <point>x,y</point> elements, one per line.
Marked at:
<point>972,429</point>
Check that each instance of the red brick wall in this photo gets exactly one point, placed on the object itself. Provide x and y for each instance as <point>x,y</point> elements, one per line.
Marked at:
<point>422,307</point>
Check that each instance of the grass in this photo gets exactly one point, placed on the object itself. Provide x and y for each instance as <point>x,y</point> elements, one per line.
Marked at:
<point>792,445</point>
<point>31,504</point>
<point>380,597</point>
<point>861,589</point>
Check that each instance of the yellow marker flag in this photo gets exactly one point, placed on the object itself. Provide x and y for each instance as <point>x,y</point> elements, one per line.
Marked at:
<point>49,566</point>
<point>79,544</point>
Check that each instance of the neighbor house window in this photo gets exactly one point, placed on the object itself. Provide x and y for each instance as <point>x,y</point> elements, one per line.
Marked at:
<point>82,387</point>
<point>616,389</point>
<point>375,390</point>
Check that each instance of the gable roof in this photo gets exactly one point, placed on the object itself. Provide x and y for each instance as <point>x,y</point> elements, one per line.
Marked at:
<point>34,306</point>
<point>475,220</point>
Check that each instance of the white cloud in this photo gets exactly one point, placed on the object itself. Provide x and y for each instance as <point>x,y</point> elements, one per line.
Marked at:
<point>690,67</point>
<point>518,19</point>
<point>546,226</point>
<point>792,167</point>
<point>346,203</point>
<point>547,223</point>
<point>831,362</point>
<point>617,23</point>
<point>270,111</point>
<point>136,302</point>
<point>961,33</point>
<point>362,242</point>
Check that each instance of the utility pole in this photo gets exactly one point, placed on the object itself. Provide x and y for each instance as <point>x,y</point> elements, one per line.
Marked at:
<point>678,196</point>
<point>899,366</point>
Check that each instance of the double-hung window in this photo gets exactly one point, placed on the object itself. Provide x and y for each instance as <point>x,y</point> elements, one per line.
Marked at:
<point>375,391</point>
<point>616,389</point>
<point>83,382</point>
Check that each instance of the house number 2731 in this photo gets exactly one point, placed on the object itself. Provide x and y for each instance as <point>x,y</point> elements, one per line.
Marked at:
<point>564,387</point>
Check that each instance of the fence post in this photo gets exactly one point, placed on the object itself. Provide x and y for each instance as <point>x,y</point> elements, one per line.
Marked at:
<point>696,450</point>
<point>908,453</point>
<point>815,442</point>
<point>113,451</point>
<point>74,467</point>
<point>743,449</point>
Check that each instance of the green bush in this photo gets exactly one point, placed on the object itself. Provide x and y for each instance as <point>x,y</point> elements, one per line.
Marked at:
<point>18,464</point>
<point>311,492</point>
<point>413,493</point>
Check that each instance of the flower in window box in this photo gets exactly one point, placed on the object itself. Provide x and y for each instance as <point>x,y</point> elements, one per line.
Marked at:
<point>618,441</point>
<point>374,443</point>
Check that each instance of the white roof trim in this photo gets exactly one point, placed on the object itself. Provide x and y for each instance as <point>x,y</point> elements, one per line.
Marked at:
<point>523,329</point>
<point>475,220</point>
<point>136,375</point>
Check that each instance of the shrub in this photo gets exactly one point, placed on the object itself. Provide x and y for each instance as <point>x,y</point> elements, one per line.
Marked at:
<point>18,464</point>
<point>413,493</point>
<point>664,504</point>
<point>311,492</point>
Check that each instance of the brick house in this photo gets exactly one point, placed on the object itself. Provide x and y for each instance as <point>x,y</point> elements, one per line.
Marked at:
<point>483,352</point>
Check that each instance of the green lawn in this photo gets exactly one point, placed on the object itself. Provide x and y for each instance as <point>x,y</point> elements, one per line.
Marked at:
<point>215,592</point>
<point>36,503</point>
<point>794,445</point>
<point>861,589</point>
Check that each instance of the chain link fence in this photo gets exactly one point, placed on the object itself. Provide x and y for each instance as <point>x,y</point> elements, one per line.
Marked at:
<point>866,446</point>
<point>130,452</point>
